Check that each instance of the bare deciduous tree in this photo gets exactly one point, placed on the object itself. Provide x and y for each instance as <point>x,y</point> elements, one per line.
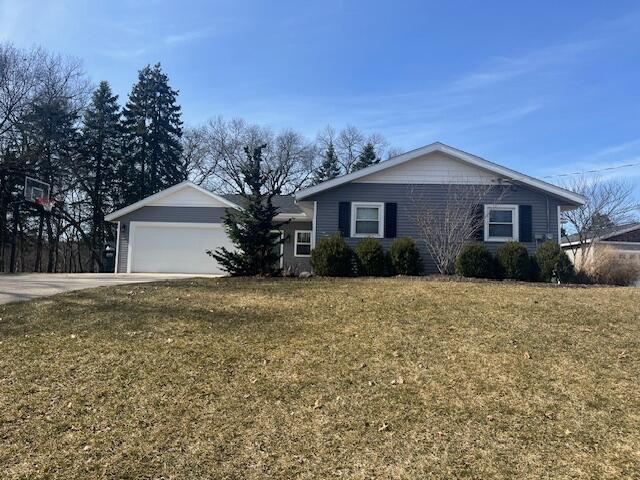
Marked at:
<point>197,162</point>
<point>289,159</point>
<point>610,199</point>
<point>446,226</point>
<point>349,144</point>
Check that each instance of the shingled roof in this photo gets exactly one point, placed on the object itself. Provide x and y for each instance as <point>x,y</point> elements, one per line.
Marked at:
<point>285,203</point>
<point>604,234</point>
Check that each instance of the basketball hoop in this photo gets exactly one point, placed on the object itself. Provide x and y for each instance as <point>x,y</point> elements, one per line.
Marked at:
<point>46,204</point>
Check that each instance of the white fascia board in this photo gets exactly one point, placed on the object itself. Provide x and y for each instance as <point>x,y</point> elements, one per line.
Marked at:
<point>575,244</point>
<point>454,152</point>
<point>168,191</point>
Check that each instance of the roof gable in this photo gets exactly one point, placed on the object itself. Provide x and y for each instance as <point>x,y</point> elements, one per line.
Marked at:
<point>187,197</point>
<point>180,195</point>
<point>432,168</point>
<point>500,172</point>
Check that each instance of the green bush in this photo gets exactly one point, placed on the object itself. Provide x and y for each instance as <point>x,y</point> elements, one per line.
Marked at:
<point>514,262</point>
<point>404,257</point>
<point>332,257</point>
<point>370,258</point>
<point>475,261</point>
<point>549,257</point>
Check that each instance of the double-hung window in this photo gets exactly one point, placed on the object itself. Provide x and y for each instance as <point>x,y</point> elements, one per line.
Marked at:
<point>367,219</point>
<point>302,243</point>
<point>500,223</point>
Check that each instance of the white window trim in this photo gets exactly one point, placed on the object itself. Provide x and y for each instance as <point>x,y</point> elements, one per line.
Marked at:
<point>514,221</point>
<point>380,206</point>
<point>295,242</point>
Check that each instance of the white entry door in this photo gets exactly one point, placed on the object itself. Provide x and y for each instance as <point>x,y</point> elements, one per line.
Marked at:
<point>163,247</point>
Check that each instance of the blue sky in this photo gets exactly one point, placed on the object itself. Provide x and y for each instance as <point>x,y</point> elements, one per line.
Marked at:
<point>544,87</point>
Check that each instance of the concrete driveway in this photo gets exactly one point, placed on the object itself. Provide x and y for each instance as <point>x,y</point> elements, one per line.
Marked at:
<point>25,286</point>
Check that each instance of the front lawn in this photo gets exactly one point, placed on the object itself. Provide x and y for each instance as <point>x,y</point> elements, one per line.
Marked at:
<point>357,378</point>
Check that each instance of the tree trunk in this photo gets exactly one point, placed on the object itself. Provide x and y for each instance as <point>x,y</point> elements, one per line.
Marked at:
<point>3,223</point>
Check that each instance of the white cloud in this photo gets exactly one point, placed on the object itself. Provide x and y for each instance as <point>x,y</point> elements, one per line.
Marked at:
<point>189,36</point>
<point>509,68</point>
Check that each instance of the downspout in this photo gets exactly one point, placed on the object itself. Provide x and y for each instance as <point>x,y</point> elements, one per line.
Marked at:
<point>313,224</point>
<point>548,220</point>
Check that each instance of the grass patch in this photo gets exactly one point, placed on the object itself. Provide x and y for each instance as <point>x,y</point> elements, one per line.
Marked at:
<point>353,378</point>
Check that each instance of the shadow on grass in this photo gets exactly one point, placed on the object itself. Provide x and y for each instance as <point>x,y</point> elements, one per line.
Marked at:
<point>109,311</point>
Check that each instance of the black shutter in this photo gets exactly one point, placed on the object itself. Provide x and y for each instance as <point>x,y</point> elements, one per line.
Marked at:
<point>526,223</point>
<point>390,219</point>
<point>479,219</point>
<point>344,218</point>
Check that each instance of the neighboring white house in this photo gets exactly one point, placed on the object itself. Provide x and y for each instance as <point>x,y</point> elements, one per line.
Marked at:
<point>624,240</point>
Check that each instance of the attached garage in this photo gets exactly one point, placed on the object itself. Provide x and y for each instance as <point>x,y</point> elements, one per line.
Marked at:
<point>170,231</point>
<point>175,247</point>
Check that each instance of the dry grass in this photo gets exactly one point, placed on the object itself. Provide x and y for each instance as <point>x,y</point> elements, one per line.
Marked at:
<point>608,268</point>
<point>358,378</point>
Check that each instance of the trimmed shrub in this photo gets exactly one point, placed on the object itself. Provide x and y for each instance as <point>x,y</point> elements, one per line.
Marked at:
<point>332,257</point>
<point>475,261</point>
<point>549,257</point>
<point>404,257</point>
<point>370,258</point>
<point>609,269</point>
<point>513,260</point>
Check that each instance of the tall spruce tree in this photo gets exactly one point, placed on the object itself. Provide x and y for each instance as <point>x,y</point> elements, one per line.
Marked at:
<point>100,149</point>
<point>152,129</point>
<point>366,158</point>
<point>329,168</point>
<point>253,229</point>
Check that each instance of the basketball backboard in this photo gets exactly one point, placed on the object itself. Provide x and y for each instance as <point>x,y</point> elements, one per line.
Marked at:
<point>36,191</point>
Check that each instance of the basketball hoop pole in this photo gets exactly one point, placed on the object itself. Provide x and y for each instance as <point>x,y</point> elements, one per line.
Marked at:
<point>14,236</point>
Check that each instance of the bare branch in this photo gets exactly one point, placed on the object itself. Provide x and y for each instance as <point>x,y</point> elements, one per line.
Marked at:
<point>609,202</point>
<point>447,225</point>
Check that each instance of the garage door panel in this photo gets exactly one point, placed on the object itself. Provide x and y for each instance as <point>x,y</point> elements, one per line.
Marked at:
<point>176,248</point>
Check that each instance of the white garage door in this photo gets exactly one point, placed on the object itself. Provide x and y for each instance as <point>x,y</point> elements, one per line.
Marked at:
<point>175,247</point>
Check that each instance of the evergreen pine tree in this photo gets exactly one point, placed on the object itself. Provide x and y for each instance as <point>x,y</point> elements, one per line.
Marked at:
<point>329,168</point>
<point>366,158</point>
<point>253,229</point>
<point>99,153</point>
<point>152,130</point>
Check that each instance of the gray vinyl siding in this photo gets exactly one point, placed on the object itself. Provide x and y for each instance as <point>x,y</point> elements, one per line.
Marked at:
<point>201,215</point>
<point>162,214</point>
<point>296,264</point>
<point>544,210</point>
